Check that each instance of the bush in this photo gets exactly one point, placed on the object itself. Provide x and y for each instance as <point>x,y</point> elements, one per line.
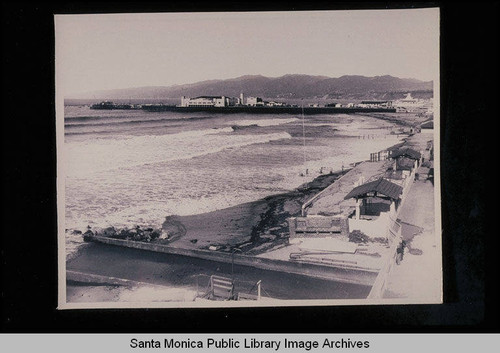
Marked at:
<point>380,240</point>
<point>357,236</point>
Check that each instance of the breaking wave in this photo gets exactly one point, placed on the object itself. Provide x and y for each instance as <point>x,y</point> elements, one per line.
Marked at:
<point>95,155</point>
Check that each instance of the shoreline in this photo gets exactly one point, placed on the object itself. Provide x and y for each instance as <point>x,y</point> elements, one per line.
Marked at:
<point>248,109</point>
<point>254,227</point>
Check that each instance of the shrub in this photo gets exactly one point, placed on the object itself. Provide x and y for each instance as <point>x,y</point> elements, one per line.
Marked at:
<point>357,236</point>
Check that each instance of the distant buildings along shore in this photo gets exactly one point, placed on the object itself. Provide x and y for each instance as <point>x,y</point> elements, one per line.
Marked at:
<point>243,103</point>
<point>223,101</point>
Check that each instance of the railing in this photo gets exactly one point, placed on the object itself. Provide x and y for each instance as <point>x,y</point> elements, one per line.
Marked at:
<point>394,236</point>
<point>223,288</point>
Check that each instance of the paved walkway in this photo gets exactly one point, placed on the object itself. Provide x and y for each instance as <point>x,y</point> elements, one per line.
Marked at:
<point>419,276</point>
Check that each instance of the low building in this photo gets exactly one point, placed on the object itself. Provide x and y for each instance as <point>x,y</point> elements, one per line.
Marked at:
<point>414,105</point>
<point>254,101</point>
<point>379,156</point>
<point>208,101</point>
<point>318,226</point>
<point>375,104</point>
<point>405,152</point>
<point>377,203</point>
<point>406,161</point>
<point>275,104</point>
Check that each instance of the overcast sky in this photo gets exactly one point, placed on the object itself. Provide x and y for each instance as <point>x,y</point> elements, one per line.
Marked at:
<point>109,51</point>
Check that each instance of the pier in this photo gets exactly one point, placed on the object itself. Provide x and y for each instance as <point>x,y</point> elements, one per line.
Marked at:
<point>267,109</point>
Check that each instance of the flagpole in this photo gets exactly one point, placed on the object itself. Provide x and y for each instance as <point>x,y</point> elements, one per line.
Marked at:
<point>304,136</point>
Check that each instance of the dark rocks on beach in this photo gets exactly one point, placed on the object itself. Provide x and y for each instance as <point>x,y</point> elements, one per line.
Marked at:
<point>357,236</point>
<point>109,232</point>
<point>280,207</point>
<point>173,227</point>
<point>88,235</point>
<point>381,240</point>
<point>136,234</point>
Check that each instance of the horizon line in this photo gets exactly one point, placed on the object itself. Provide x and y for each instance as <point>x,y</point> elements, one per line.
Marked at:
<point>237,77</point>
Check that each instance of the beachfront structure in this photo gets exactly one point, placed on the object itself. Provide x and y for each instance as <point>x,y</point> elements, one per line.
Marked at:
<point>318,226</point>
<point>254,101</point>
<point>379,156</point>
<point>377,203</point>
<point>406,161</point>
<point>408,100</point>
<point>224,101</point>
<point>209,101</point>
<point>375,104</point>
<point>410,104</point>
<point>407,153</point>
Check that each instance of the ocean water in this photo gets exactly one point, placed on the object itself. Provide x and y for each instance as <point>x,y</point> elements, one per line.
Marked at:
<point>130,167</point>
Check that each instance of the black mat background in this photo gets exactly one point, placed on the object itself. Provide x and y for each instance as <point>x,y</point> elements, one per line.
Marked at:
<point>469,93</point>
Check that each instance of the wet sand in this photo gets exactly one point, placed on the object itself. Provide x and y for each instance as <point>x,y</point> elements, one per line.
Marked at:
<point>257,225</point>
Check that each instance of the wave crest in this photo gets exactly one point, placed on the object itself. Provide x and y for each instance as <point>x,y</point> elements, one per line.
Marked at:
<point>96,155</point>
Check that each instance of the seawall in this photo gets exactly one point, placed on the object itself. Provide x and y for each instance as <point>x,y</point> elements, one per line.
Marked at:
<point>339,273</point>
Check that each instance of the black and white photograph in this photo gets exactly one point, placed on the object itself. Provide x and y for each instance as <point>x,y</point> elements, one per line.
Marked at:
<point>248,159</point>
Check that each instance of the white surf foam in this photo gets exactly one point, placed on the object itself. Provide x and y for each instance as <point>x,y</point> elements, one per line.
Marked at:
<point>95,155</point>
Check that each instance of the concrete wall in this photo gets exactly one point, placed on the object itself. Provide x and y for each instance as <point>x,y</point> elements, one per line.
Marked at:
<point>341,273</point>
<point>394,236</point>
<point>314,226</point>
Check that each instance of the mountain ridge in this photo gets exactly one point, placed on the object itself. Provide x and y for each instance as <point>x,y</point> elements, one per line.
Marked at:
<point>286,86</point>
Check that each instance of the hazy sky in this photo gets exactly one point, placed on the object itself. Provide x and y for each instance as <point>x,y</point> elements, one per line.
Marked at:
<point>130,50</point>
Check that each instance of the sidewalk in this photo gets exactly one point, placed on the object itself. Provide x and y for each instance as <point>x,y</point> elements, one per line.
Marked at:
<point>419,276</point>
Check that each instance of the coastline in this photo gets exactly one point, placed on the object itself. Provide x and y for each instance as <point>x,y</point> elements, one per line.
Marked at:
<point>254,227</point>
<point>251,225</point>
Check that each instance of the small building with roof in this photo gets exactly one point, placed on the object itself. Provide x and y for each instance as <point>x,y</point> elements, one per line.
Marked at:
<point>405,161</point>
<point>377,203</point>
<point>405,152</point>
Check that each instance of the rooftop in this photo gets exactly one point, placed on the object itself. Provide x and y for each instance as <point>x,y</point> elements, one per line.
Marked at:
<point>405,163</point>
<point>380,186</point>
<point>208,97</point>
<point>406,152</point>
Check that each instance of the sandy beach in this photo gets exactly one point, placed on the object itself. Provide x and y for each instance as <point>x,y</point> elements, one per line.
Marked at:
<point>257,225</point>
<point>254,227</point>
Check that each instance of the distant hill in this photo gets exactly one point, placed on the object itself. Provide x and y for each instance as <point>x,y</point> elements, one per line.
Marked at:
<point>288,86</point>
